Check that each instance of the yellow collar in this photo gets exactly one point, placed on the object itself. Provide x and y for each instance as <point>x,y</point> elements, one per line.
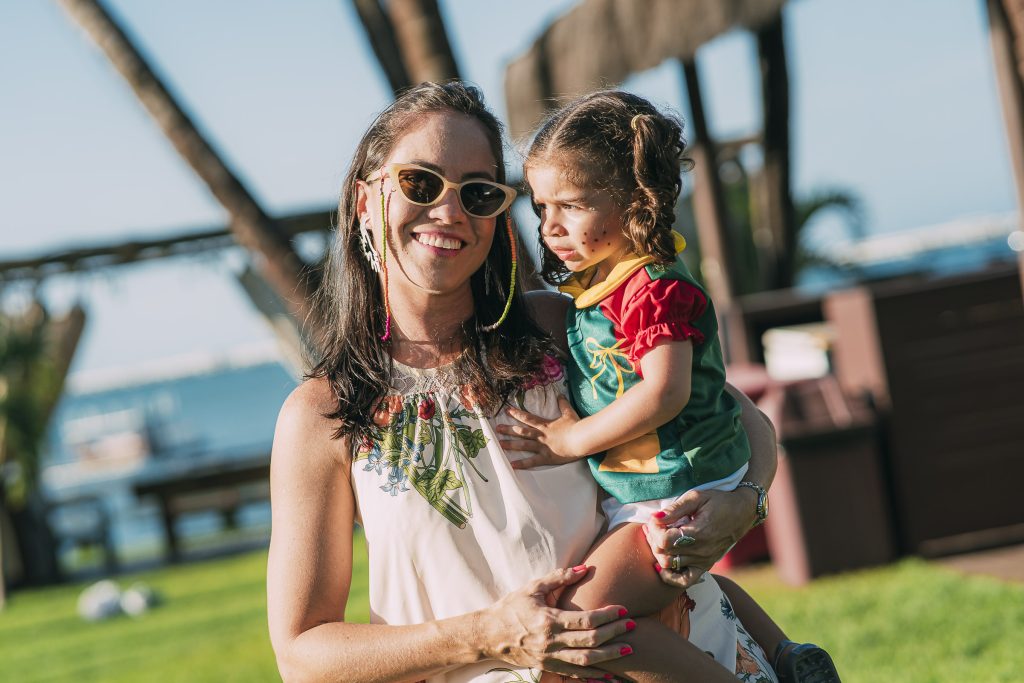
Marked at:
<point>588,296</point>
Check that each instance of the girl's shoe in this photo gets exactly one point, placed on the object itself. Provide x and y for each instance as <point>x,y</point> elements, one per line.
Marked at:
<point>803,663</point>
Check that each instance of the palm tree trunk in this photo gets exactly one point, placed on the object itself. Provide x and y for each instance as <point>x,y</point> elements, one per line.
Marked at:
<point>1006,31</point>
<point>276,260</point>
<point>775,217</point>
<point>422,39</point>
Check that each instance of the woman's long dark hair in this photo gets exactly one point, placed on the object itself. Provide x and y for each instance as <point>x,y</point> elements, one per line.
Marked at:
<point>354,360</point>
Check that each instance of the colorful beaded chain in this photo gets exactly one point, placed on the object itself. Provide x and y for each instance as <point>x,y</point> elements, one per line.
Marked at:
<point>385,209</point>
<point>512,279</point>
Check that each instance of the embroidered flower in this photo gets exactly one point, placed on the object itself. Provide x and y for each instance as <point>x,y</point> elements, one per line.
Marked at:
<point>550,371</point>
<point>426,408</point>
<point>746,665</point>
<point>727,610</point>
<point>552,368</point>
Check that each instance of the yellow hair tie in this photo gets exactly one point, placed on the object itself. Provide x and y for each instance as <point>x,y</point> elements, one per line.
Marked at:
<point>633,122</point>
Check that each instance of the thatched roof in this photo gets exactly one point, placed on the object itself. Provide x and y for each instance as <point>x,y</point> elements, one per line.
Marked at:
<point>601,42</point>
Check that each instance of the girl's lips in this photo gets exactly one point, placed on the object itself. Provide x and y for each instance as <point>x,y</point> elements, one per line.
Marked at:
<point>563,254</point>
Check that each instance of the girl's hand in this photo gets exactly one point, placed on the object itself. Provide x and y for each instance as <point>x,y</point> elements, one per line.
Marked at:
<point>714,520</point>
<point>553,442</point>
<point>525,629</point>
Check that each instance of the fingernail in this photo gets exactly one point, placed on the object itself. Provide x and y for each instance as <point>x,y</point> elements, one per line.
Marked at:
<point>623,612</point>
<point>657,567</point>
<point>626,650</point>
<point>630,625</point>
<point>609,677</point>
<point>660,514</point>
<point>580,568</point>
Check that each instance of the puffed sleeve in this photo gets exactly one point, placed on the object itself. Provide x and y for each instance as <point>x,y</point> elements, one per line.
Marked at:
<point>661,310</point>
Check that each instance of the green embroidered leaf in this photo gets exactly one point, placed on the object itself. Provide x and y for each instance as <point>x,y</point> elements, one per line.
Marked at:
<point>479,442</point>
<point>451,481</point>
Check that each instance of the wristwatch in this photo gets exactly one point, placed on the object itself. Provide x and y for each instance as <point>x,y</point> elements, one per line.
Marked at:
<point>761,507</point>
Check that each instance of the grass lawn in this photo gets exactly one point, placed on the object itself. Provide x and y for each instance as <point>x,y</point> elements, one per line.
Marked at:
<point>908,623</point>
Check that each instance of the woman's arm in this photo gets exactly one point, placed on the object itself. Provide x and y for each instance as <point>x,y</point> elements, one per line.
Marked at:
<point>719,518</point>
<point>310,569</point>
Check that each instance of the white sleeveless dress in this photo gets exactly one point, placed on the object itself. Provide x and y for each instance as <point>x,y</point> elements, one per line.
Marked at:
<point>451,527</point>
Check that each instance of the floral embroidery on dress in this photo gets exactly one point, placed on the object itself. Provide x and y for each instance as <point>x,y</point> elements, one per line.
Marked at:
<point>427,443</point>
<point>727,610</point>
<point>409,424</point>
<point>751,664</point>
<point>518,677</point>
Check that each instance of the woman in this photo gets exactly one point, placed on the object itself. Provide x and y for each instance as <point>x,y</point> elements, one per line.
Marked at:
<point>397,426</point>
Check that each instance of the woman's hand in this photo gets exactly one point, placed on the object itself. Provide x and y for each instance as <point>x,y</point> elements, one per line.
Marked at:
<point>552,442</point>
<point>709,523</point>
<point>525,629</point>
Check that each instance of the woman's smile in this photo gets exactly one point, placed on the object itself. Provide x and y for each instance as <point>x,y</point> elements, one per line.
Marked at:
<point>439,242</point>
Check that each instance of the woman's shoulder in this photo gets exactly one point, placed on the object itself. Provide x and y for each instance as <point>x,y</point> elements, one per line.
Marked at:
<point>304,429</point>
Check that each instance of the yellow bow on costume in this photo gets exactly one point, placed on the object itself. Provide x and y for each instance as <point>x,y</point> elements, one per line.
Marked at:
<point>601,357</point>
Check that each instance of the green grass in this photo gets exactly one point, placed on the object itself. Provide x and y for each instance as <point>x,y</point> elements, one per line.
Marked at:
<point>908,623</point>
<point>911,622</point>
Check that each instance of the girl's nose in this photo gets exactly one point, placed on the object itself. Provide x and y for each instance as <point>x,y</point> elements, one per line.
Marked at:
<point>551,227</point>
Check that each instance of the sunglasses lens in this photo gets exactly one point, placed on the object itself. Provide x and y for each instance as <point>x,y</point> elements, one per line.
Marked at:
<point>482,199</point>
<point>419,186</point>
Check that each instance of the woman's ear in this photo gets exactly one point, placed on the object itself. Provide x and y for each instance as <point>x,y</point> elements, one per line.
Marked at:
<point>362,200</point>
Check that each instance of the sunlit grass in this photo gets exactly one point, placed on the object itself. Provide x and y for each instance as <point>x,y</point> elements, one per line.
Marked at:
<point>908,623</point>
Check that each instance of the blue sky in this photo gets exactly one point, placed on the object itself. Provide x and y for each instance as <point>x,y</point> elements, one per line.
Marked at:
<point>901,111</point>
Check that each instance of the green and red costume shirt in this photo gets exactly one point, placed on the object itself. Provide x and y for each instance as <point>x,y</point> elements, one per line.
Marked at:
<point>612,325</point>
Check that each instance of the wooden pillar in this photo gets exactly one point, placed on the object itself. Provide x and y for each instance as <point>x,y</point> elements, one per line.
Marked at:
<point>421,37</point>
<point>1006,32</point>
<point>381,34</point>
<point>275,258</point>
<point>718,264</point>
<point>775,219</point>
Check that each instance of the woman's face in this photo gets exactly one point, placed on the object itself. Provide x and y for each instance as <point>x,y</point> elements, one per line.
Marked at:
<point>433,249</point>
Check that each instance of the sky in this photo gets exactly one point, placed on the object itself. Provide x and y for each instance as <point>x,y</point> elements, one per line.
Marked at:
<point>892,100</point>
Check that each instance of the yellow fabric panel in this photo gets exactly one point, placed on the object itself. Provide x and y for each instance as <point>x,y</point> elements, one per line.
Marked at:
<point>639,455</point>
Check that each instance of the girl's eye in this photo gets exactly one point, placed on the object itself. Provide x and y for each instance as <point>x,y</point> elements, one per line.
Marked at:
<point>570,207</point>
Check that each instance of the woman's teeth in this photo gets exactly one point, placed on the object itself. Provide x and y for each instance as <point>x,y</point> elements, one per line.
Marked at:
<point>440,242</point>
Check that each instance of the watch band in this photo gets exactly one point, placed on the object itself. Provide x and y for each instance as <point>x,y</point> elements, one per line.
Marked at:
<point>761,506</point>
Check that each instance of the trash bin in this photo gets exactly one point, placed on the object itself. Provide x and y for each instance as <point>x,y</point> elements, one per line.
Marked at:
<point>829,507</point>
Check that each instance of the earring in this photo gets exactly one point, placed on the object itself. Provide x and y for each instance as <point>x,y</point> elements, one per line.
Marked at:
<point>384,210</point>
<point>512,280</point>
<point>366,242</point>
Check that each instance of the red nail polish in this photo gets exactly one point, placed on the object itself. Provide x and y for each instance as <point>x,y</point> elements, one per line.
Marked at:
<point>580,568</point>
<point>630,625</point>
<point>626,650</point>
<point>609,677</point>
<point>660,514</point>
<point>657,567</point>
<point>623,612</point>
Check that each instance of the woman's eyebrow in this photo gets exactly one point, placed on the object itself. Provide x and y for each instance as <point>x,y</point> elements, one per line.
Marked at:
<point>486,175</point>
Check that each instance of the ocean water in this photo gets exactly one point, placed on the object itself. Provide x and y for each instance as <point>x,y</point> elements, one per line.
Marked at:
<point>102,440</point>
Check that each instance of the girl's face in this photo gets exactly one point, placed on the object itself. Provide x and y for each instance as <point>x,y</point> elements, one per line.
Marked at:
<point>433,249</point>
<point>581,226</point>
